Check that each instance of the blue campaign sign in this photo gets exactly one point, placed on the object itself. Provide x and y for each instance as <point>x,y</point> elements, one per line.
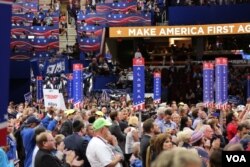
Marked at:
<point>70,87</point>
<point>77,85</point>
<point>157,87</point>
<point>221,90</point>
<point>39,89</point>
<point>138,83</point>
<point>208,84</point>
<point>5,27</point>
<point>28,97</point>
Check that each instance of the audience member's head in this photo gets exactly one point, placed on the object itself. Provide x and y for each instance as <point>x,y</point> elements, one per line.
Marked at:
<point>215,159</point>
<point>178,157</point>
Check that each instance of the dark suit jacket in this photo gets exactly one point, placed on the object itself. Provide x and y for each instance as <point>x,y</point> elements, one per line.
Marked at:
<point>117,132</point>
<point>66,128</point>
<point>44,158</point>
<point>76,143</point>
<point>144,145</point>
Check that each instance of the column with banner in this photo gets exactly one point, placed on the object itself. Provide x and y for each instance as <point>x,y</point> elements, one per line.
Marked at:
<point>5,27</point>
<point>157,87</point>
<point>39,89</point>
<point>248,87</point>
<point>221,79</point>
<point>77,85</point>
<point>208,84</point>
<point>138,83</point>
<point>70,88</point>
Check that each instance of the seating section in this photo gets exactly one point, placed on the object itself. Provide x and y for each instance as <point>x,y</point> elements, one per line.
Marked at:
<point>34,30</point>
<point>91,23</point>
<point>35,26</point>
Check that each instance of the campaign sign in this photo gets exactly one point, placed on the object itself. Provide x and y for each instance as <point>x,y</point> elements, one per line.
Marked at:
<point>77,85</point>
<point>52,98</point>
<point>208,84</point>
<point>157,87</point>
<point>70,87</point>
<point>28,97</point>
<point>235,158</point>
<point>221,79</point>
<point>39,89</point>
<point>5,27</point>
<point>138,83</point>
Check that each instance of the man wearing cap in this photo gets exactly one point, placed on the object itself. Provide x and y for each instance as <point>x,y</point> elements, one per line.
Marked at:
<point>99,114</point>
<point>112,105</point>
<point>98,152</point>
<point>197,141</point>
<point>29,142</point>
<point>66,128</point>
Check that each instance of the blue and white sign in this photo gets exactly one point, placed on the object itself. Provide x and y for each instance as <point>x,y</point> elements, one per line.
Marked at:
<point>157,87</point>
<point>138,83</point>
<point>70,87</point>
<point>28,97</point>
<point>208,84</point>
<point>39,89</point>
<point>221,79</point>
<point>77,85</point>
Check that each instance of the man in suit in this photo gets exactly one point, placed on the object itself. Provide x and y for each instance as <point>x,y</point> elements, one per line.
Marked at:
<point>45,158</point>
<point>66,128</point>
<point>150,129</point>
<point>115,130</point>
<point>76,142</point>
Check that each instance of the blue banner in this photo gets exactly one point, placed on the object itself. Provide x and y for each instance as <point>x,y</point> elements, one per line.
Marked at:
<point>248,87</point>
<point>221,90</point>
<point>208,84</point>
<point>39,89</point>
<point>70,87</point>
<point>234,100</point>
<point>57,66</point>
<point>157,87</point>
<point>138,83</point>
<point>77,85</point>
<point>5,26</point>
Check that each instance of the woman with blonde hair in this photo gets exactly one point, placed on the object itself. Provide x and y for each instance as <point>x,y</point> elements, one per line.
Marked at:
<point>131,137</point>
<point>178,157</point>
<point>184,138</point>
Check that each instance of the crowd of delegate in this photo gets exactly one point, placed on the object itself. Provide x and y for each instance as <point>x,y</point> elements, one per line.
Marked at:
<point>112,135</point>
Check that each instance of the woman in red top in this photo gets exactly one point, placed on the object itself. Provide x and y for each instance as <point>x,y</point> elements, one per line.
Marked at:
<point>232,124</point>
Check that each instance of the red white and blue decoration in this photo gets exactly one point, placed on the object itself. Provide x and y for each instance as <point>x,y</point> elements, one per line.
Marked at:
<point>157,87</point>
<point>70,87</point>
<point>208,84</point>
<point>39,89</point>
<point>138,84</point>
<point>221,82</point>
<point>77,85</point>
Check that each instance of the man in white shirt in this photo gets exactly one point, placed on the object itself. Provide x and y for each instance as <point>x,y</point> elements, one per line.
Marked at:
<point>99,153</point>
<point>138,54</point>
